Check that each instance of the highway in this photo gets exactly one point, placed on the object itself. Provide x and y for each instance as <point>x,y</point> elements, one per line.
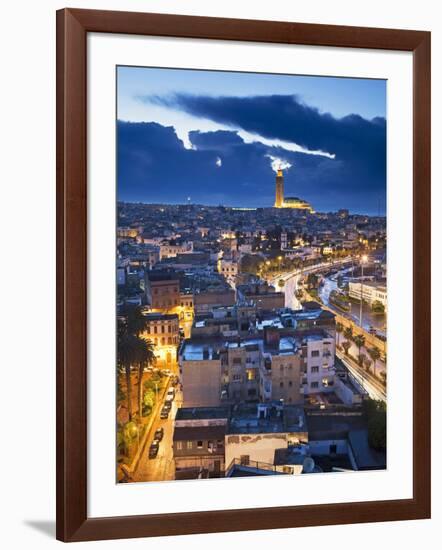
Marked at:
<point>291,280</point>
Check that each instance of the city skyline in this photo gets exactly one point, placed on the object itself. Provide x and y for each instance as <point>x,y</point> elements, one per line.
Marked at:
<point>205,136</point>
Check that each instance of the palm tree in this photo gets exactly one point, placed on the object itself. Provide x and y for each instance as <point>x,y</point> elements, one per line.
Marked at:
<point>131,325</point>
<point>339,330</point>
<point>366,362</point>
<point>375,354</point>
<point>126,357</point>
<point>346,345</point>
<point>348,333</point>
<point>145,356</point>
<point>359,341</point>
<point>136,322</point>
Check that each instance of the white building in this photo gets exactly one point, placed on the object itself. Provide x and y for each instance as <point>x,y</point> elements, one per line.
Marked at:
<point>371,292</point>
<point>318,354</point>
<point>168,250</point>
<point>229,270</point>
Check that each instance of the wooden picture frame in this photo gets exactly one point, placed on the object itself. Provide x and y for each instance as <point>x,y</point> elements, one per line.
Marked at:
<point>73,523</point>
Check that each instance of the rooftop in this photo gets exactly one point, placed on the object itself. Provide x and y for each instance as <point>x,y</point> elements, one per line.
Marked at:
<point>161,316</point>
<point>266,418</point>
<point>201,413</point>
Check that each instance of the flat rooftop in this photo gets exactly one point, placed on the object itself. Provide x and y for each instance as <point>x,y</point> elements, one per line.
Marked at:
<point>161,316</point>
<point>201,413</point>
<point>266,418</point>
<point>200,350</point>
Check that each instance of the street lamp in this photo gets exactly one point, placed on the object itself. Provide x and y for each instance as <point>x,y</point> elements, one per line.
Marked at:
<point>364,259</point>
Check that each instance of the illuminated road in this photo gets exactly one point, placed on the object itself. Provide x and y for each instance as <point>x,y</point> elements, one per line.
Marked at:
<point>373,387</point>
<point>162,467</point>
<point>369,319</point>
<point>291,280</point>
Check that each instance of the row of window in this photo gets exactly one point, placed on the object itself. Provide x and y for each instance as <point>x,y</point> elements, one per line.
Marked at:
<point>171,340</point>
<point>165,303</point>
<point>165,290</point>
<point>155,329</point>
<point>211,445</point>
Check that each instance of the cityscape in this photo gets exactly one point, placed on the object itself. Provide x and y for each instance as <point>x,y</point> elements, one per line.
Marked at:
<point>251,304</point>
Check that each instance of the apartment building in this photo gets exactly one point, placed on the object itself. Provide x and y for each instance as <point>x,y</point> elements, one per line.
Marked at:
<point>163,331</point>
<point>370,292</point>
<point>163,291</point>
<point>317,363</point>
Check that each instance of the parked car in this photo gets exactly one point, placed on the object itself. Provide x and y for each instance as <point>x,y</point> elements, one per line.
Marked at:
<point>164,413</point>
<point>159,434</point>
<point>167,405</point>
<point>170,394</point>
<point>154,448</point>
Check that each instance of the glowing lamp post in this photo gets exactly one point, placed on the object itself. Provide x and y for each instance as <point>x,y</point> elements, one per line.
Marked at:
<point>364,259</point>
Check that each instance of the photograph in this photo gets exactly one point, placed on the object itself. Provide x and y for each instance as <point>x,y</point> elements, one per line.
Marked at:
<point>251,274</point>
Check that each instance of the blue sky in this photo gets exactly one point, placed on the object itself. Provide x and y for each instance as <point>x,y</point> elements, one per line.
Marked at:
<point>215,136</point>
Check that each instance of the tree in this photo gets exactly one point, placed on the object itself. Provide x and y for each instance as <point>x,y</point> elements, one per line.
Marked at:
<point>133,350</point>
<point>359,341</point>
<point>145,356</point>
<point>346,345</point>
<point>135,321</point>
<point>366,362</point>
<point>377,307</point>
<point>149,400</point>
<point>251,263</point>
<point>281,283</point>
<point>375,413</point>
<point>348,333</point>
<point>375,354</point>
<point>312,281</point>
<point>126,357</point>
<point>339,330</point>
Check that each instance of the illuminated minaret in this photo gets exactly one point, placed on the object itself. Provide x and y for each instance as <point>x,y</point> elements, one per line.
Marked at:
<point>279,195</point>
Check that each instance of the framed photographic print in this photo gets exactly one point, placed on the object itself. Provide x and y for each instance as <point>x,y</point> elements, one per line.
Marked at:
<point>243,280</point>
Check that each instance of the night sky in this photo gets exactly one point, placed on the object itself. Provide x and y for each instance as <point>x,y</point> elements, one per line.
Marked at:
<point>217,137</point>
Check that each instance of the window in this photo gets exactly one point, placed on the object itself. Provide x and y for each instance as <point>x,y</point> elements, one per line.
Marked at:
<point>290,384</point>
<point>250,373</point>
<point>281,384</point>
<point>179,445</point>
<point>314,384</point>
<point>189,444</point>
<point>314,353</point>
<point>314,369</point>
<point>155,329</point>
<point>244,460</point>
<point>199,444</point>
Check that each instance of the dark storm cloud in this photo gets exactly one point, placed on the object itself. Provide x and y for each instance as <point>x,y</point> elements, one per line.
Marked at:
<point>154,166</point>
<point>359,143</point>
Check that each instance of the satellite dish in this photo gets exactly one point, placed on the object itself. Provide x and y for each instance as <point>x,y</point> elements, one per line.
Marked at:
<point>308,465</point>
